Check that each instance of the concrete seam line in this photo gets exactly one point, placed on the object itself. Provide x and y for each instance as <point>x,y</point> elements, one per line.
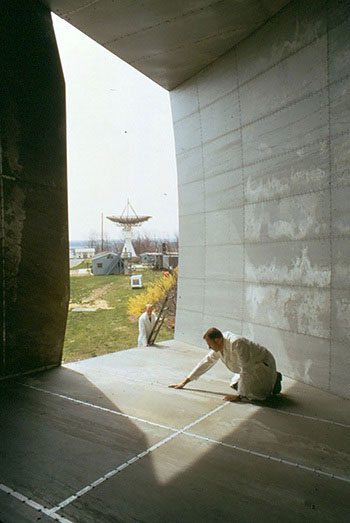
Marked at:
<point>132,460</point>
<point>331,225</point>
<point>264,283</point>
<point>173,429</point>
<point>243,212</point>
<point>203,180</point>
<point>269,457</point>
<point>163,22</point>
<point>272,112</point>
<point>313,418</point>
<point>98,407</point>
<point>33,504</point>
<point>27,372</point>
<point>250,322</point>
<point>3,274</point>
<point>269,241</point>
<point>7,177</point>
<point>266,159</point>
<point>264,71</point>
<point>82,7</point>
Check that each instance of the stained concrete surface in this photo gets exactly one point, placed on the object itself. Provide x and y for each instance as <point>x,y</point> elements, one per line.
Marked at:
<point>13,511</point>
<point>167,41</point>
<point>193,456</point>
<point>33,191</point>
<point>262,145</point>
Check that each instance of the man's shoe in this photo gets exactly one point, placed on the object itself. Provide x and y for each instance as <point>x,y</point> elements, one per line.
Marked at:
<point>278,387</point>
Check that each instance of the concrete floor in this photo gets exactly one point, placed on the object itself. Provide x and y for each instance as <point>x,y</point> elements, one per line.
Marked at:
<point>105,440</point>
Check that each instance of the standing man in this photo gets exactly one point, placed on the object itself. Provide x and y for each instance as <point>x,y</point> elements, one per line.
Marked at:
<point>146,324</point>
<point>254,367</point>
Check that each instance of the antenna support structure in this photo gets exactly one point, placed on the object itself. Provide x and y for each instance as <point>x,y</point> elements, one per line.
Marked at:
<point>127,220</point>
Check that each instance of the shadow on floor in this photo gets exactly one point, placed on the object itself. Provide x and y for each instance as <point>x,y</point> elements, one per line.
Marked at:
<point>53,447</point>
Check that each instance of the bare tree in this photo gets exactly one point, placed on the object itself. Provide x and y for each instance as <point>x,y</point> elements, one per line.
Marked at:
<point>92,241</point>
<point>100,244</point>
<point>116,245</point>
<point>143,243</point>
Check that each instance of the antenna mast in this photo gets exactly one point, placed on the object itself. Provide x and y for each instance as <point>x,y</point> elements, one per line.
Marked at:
<point>127,220</point>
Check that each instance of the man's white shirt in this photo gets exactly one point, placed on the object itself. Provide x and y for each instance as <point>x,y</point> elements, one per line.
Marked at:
<point>254,364</point>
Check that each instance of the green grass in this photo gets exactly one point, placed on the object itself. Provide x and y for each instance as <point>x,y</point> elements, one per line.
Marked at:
<point>90,334</point>
<point>85,264</point>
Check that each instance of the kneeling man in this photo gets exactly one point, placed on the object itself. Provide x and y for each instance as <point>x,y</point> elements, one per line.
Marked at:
<point>254,367</point>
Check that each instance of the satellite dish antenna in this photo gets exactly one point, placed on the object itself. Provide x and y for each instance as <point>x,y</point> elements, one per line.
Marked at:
<point>127,220</point>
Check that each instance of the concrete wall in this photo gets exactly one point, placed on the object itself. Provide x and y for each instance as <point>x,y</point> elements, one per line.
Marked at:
<point>263,149</point>
<point>34,244</point>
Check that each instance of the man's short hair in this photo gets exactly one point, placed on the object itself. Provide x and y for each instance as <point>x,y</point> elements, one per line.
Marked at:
<point>213,333</point>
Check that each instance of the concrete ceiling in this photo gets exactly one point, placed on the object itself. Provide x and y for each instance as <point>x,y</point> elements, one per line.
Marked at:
<point>167,40</point>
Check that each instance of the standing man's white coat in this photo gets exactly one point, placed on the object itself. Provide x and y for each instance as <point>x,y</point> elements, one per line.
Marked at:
<point>147,321</point>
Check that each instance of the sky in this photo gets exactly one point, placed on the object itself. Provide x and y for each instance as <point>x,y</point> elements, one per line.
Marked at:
<point>120,141</point>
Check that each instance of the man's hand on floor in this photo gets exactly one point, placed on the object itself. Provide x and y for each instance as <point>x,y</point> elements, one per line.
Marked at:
<point>231,397</point>
<point>180,385</point>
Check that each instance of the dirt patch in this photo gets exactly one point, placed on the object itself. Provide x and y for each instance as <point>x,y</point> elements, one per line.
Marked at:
<point>121,328</point>
<point>94,299</point>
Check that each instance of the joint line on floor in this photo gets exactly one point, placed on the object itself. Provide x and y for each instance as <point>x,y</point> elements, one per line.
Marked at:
<point>136,458</point>
<point>313,418</point>
<point>167,427</point>
<point>176,432</point>
<point>98,407</point>
<point>33,504</point>
<point>269,457</point>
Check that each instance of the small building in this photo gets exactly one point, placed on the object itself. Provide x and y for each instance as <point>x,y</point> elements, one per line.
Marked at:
<point>170,260</point>
<point>107,263</point>
<point>136,281</point>
<point>83,253</point>
<point>160,260</point>
<point>152,259</point>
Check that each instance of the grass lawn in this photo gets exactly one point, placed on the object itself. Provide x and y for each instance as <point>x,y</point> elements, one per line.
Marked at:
<point>85,264</point>
<point>108,329</point>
